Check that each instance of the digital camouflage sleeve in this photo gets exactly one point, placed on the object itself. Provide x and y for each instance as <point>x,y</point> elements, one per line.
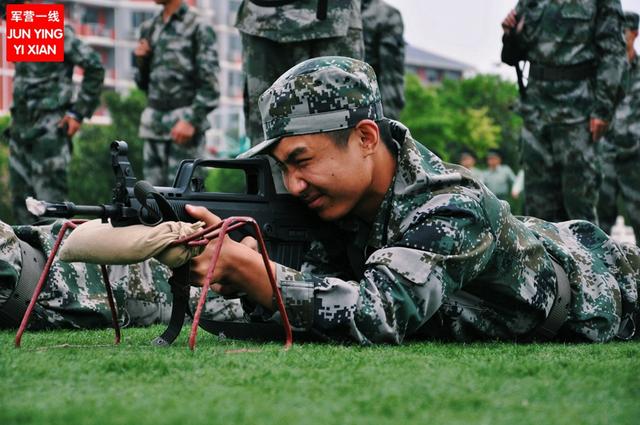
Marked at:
<point>77,53</point>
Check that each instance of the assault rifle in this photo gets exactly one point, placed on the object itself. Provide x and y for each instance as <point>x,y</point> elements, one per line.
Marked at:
<point>286,224</point>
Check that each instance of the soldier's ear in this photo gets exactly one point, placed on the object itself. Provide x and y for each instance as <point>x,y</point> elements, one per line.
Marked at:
<point>369,135</point>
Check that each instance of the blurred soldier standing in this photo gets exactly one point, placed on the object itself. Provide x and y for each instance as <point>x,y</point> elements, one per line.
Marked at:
<point>45,118</point>
<point>382,29</point>
<point>620,150</point>
<point>177,66</point>
<point>498,177</point>
<point>274,38</point>
<point>576,52</point>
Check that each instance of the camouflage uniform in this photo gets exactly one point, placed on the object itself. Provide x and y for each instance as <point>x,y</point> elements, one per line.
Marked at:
<point>382,29</point>
<point>499,180</point>
<point>620,155</point>
<point>558,154</point>
<point>74,295</point>
<point>276,38</point>
<point>180,78</point>
<point>42,95</point>
<point>443,257</point>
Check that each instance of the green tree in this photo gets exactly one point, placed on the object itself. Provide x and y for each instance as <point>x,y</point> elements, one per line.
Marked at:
<point>475,113</point>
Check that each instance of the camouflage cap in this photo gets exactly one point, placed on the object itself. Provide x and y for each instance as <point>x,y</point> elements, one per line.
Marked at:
<point>631,20</point>
<point>318,95</point>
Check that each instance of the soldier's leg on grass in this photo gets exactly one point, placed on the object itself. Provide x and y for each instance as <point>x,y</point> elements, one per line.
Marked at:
<point>581,177</point>
<point>542,197</point>
<point>607,201</point>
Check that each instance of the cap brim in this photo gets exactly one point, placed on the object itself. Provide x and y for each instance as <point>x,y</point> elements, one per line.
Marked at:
<point>259,149</point>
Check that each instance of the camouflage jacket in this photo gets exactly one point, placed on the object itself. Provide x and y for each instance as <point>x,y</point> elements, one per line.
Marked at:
<point>180,74</point>
<point>445,257</point>
<point>571,32</point>
<point>298,21</point>
<point>384,51</point>
<point>48,86</point>
<point>623,140</point>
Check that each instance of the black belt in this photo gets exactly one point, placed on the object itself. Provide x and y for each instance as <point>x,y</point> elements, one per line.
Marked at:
<point>12,311</point>
<point>166,105</point>
<point>582,71</point>
<point>559,312</point>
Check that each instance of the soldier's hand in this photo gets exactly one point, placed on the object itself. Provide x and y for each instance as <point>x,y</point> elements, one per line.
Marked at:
<point>182,132</point>
<point>597,127</point>
<point>71,124</point>
<point>142,49</point>
<point>511,22</point>
<point>200,264</point>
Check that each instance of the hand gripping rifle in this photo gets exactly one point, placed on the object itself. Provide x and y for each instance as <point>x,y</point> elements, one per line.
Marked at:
<point>282,225</point>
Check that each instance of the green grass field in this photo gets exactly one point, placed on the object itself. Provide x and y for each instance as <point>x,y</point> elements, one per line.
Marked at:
<point>80,378</point>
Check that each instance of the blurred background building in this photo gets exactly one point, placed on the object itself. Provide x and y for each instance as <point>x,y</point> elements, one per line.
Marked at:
<point>110,27</point>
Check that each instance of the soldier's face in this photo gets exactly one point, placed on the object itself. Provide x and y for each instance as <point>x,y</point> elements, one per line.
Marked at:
<point>332,180</point>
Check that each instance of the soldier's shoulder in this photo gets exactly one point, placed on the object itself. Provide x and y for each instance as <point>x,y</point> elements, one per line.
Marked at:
<point>194,17</point>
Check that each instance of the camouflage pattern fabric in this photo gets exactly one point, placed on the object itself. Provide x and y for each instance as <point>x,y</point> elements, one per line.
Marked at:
<point>298,21</point>
<point>448,260</point>
<point>499,180</point>
<point>42,94</point>
<point>556,113</point>
<point>181,84</point>
<point>620,156</point>
<point>383,30</point>
<point>74,295</point>
<point>276,38</point>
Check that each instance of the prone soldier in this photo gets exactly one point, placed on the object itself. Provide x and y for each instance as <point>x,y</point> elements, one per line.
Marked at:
<point>425,250</point>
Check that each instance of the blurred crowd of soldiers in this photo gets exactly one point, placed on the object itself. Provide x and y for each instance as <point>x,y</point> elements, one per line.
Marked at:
<point>579,143</point>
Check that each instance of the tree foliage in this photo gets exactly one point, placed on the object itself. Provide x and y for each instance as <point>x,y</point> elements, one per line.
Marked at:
<point>475,113</point>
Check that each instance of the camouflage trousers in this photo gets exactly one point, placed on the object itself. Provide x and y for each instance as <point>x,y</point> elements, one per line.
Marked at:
<point>620,177</point>
<point>562,171</point>
<point>162,158</point>
<point>74,294</point>
<point>265,60</point>
<point>39,156</point>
